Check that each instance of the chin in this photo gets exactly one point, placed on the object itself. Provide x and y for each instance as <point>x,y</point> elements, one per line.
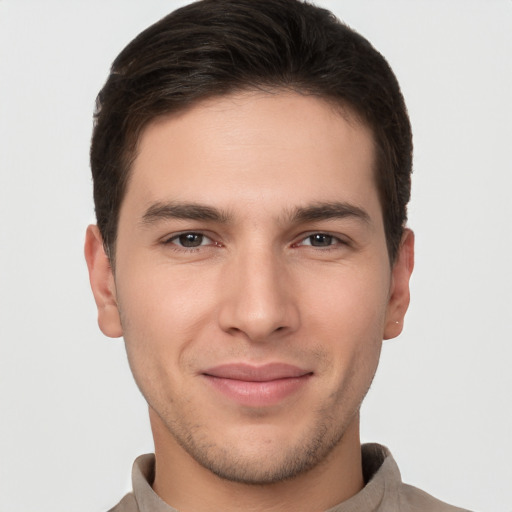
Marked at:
<point>258,459</point>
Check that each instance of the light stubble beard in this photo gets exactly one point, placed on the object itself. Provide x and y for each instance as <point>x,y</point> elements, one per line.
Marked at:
<point>311,450</point>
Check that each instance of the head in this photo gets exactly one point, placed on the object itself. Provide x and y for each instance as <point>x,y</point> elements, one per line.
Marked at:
<point>220,47</point>
<point>251,166</point>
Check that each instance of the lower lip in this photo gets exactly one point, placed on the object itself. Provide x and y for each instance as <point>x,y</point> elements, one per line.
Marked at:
<point>258,394</point>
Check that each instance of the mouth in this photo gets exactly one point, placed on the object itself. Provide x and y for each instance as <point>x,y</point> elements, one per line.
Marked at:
<point>257,386</point>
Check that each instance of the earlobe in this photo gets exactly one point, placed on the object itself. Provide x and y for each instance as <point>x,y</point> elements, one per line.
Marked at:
<point>102,282</point>
<point>399,293</point>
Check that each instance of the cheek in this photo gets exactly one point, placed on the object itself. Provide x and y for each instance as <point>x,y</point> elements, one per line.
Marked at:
<point>348,301</point>
<point>162,313</point>
<point>346,317</point>
<point>164,301</point>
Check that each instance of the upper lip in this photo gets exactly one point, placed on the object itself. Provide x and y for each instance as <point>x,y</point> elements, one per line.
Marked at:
<point>252,373</point>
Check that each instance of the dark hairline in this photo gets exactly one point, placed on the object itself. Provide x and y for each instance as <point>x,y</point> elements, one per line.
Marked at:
<point>131,150</point>
<point>217,47</point>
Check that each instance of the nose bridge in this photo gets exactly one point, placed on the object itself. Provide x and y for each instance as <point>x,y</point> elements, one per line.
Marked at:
<point>257,297</point>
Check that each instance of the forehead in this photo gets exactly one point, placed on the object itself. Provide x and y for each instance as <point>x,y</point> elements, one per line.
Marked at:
<point>255,148</point>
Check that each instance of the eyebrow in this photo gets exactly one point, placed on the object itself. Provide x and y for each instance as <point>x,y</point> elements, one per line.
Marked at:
<point>188,211</point>
<point>330,210</point>
<point>301,214</point>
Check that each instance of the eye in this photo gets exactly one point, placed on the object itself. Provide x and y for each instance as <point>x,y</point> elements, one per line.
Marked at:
<point>190,240</point>
<point>320,240</point>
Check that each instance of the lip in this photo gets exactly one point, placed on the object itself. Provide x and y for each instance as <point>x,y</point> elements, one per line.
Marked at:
<point>257,386</point>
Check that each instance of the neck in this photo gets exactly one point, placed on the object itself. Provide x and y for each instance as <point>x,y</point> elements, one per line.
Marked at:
<point>187,486</point>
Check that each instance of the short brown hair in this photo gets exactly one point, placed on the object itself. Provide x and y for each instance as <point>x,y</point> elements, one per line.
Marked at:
<point>217,47</point>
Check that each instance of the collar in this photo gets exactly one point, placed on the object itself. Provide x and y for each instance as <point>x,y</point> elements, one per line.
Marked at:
<point>381,475</point>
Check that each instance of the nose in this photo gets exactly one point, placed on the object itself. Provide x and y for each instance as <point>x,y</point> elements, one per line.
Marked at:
<point>259,302</point>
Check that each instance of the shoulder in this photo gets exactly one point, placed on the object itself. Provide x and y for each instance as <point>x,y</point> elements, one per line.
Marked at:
<point>127,504</point>
<point>413,499</point>
<point>386,489</point>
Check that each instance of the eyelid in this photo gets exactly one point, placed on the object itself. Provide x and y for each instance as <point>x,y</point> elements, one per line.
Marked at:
<point>339,239</point>
<point>171,238</point>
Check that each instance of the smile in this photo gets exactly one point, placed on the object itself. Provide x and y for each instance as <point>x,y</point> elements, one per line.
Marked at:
<point>257,386</point>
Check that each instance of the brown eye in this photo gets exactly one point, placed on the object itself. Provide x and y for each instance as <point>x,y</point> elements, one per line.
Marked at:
<point>190,240</point>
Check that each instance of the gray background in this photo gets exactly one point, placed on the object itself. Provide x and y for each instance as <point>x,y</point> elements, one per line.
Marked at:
<point>71,419</point>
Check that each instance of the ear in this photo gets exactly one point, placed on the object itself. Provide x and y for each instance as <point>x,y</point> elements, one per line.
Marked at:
<point>399,295</point>
<point>102,282</point>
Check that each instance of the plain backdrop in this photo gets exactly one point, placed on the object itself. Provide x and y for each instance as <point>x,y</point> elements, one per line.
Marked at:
<point>71,418</point>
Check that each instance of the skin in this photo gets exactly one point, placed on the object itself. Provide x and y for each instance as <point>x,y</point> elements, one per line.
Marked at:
<point>292,268</point>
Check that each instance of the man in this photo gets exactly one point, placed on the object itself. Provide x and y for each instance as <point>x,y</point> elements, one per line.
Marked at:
<point>251,165</point>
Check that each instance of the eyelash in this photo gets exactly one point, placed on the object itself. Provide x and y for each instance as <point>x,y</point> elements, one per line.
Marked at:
<point>171,241</point>
<point>335,241</point>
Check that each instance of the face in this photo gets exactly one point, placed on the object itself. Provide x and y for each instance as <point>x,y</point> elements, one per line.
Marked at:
<point>253,286</point>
